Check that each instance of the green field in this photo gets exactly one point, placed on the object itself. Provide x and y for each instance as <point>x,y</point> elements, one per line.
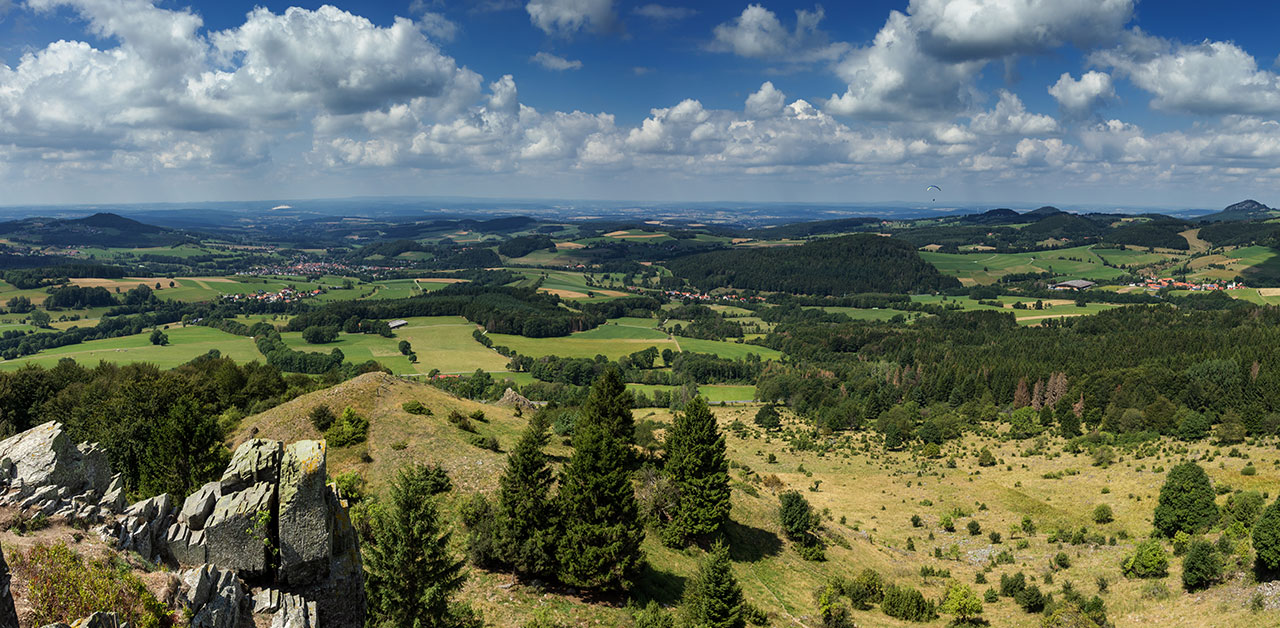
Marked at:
<point>1053,308</point>
<point>712,393</point>
<point>1079,262</point>
<point>185,343</point>
<point>863,314</point>
<point>569,285</point>
<point>441,342</point>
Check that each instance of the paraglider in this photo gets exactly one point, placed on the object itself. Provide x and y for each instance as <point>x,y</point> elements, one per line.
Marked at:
<point>933,188</point>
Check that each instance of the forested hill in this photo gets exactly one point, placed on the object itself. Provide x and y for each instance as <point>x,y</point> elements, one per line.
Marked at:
<point>844,265</point>
<point>102,229</point>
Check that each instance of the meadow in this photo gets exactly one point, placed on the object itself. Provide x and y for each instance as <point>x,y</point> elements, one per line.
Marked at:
<point>1080,262</point>
<point>185,343</point>
<point>441,342</point>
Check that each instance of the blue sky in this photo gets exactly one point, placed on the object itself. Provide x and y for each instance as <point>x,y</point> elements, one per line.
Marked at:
<point>1120,102</point>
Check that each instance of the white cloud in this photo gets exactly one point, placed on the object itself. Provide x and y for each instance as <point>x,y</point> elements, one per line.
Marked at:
<point>965,30</point>
<point>765,102</point>
<point>566,17</point>
<point>758,33</point>
<point>1210,78</point>
<point>1081,96</point>
<point>1010,117</point>
<point>555,62</point>
<point>664,13</point>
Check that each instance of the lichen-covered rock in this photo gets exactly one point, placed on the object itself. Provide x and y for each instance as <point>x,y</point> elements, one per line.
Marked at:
<point>295,612</point>
<point>212,597</point>
<point>46,455</point>
<point>8,614</point>
<point>186,546</point>
<point>255,461</point>
<point>199,505</point>
<point>306,529</point>
<point>142,526</point>
<point>238,532</point>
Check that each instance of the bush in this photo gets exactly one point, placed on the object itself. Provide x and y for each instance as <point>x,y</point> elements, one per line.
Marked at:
<point>916,521</point>
<point>321,417</point>
<point>995,537</point>
<point>1266,538</point>
<point>653,616</point>
<point>351,485</point>
<point>62,584</point>
<point>1249,469</point>
<point>986,458</point>
<point>1186,501</point>
<point>461,421</point>
<point>416,407</point>
<point>1149,560</point>
<point>1062,560</point>
<point>1202,567</point>
<point>485,442</point>
<point>768,418</point>
<point>796,515</point>
<point>961,602</point>
<point>974,528</point>
<point>349,429</point>
<point>990,596</point>
<point>1010,585</point>
<point>906,603</point>
<point>1156,590</point>
<point>1103,514</point>
<point>865,590</point>
<point>947,523</point>
<point>1030,599</point>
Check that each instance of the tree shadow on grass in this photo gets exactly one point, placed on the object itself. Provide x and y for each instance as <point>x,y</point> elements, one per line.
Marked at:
<point>748,544</point>
<point>663,587</point>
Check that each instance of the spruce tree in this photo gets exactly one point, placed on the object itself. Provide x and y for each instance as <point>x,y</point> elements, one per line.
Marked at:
<point>609,403</point>
<point>600,539</point>
<point>411,576</point>
<point>1266,538</point>
<point>527,529</point>
<point>697,468</point>
<point>1186,501</point>
<point>714,599</point>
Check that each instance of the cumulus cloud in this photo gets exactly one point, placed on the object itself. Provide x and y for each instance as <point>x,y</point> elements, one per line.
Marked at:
<point>1209,78</point>
<point>662,13</point>
<point>1010,117</point>
<point>1081,96</point>
<point>555,62</point>
<point>567,17</point>
<point>765,102</point>
<point>758,33</point>
<point>966,30</point>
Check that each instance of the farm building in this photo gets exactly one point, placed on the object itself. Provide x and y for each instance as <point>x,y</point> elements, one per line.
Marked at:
<point>1074,284</point>
<point>399,322</point>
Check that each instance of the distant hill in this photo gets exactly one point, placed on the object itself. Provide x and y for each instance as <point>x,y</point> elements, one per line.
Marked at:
<point>1244,210</point>
<point>101,229</point>
<point>1043,212</point>
<point>1159,231</point>
<point>843,265</point>
<point>1055,223</point>
<point>1002,216</point>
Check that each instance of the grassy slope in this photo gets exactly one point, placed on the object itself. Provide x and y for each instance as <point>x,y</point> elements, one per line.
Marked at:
<point>986,268</point>
<point>185,343</point>
<point>876,493</point>
<point>441,342</point>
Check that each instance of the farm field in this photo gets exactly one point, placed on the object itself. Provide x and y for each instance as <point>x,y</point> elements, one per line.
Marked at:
<point>571,286</point>
<point>986,268</point>
<point>441,342</point>
<point>713,393</point>
<point>185,343</point>
<point>1054,308</point>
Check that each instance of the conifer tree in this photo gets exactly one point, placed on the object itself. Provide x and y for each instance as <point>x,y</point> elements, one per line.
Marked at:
<point>527,532</point>
<point>714,599</point>
<point>411,576</point>
<point>609,403</point>
<point>600,539</point>
<point>697,468</point>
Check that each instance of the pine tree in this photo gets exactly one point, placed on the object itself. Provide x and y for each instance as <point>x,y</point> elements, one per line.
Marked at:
<point>714,599</point>
<point>528,524</point>
<point>1037,395</point>
<point>411,574</point>
<point>609,402</point>
<point>1266,538</point>
<point>1186,501</point>
<point>697,468</point>
<point>600,541</point>
<point>1021,396</point>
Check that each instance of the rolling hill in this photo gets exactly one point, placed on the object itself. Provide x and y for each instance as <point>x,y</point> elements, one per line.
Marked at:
<point>101,229</point>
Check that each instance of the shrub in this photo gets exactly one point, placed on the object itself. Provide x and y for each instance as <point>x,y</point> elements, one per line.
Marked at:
<point>796,515</point>
<point>986,458</point>
<point>1249,469</point>
<point>461,421</point>
<point>1148,560</point>
<point>1186,501</point>
<point>1103,514</point>
<point>1010,585</point>
<point>349,429</point>
<point>961,602</point>
<point>485,442</point>
<point>947,523</point>
<point>974,528</point>
<point>1030,599</point>
<point>903,602</point>
<point>831,609</point>
<point>62,584</point>
<point>1244,507</point>
<point>321,417</point>
<point>416,407</point>
<point>865,590</point>
<point>1266,538</point>
<point>1062,560</point>
<point>1155,590</point>
<point>653,616</point>
<point>916,522</point>
<point>351,485</point>
<point>995,537</point>
<point>768,418</point>
<point>990,596</point>
<point>1202,567</point>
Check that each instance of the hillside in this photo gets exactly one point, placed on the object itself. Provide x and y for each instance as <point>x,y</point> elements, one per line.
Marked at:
<point>848,264</point>
<point>1244,210</point>
<point>101,229</point>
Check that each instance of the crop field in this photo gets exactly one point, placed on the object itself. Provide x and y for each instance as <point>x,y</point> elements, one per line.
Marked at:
<point>986,268</point>
<point>185,343</point>
<point>568,285</point>
<point>441,342</point>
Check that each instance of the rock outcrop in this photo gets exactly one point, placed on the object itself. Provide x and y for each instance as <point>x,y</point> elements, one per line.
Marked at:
<point>42,470</point>
<point>213,597</point>
<point>513,399</point>
<point>306,525</point>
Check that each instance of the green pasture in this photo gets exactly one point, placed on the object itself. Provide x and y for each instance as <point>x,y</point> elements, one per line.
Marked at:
<point>441,342</point>
<point>1079,262</point>
<point>185,343</point>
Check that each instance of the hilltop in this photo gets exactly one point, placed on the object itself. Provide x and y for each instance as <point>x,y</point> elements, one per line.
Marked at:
<point>1244,210</point>
<point>102,229</point>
